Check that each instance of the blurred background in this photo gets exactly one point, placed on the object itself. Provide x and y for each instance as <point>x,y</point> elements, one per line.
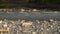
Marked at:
<point>29,3</point>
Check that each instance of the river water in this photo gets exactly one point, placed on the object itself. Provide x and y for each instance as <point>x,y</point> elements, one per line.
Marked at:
<point>29,15</point>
